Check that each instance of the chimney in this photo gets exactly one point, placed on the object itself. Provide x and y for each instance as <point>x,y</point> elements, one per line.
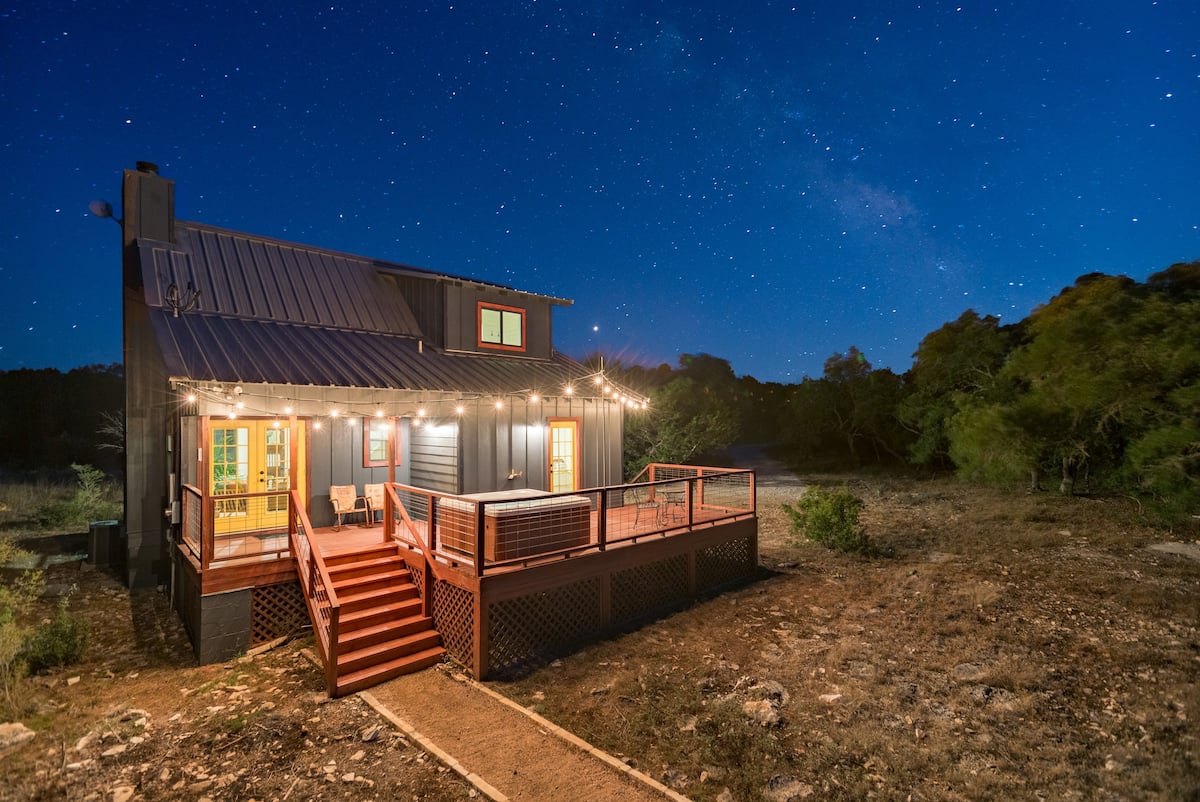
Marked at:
<point>148,203</point>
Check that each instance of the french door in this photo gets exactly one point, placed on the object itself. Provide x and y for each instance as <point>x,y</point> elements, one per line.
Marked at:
<point>247,458</point>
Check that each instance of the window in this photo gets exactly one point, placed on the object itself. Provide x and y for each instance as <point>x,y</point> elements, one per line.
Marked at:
<point>501,327</point>
<point>375,441</point>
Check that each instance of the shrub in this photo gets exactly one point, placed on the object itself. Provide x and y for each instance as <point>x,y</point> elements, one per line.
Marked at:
<point>88,503</point>
<point>58,642</point>
<point>16,601</point>
<point>830,518</point>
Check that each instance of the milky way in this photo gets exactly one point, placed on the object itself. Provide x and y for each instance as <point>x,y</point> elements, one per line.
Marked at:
<point>767,182</point>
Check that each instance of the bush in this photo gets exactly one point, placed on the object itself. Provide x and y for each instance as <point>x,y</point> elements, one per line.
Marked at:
<point>89,502</point>
<point>16,601</point>
<point>58,642</point>
<point>830,518</point>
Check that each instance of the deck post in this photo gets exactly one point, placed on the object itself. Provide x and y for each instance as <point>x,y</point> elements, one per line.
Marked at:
<point>207,538</point>
<point>688,497</point>
<point>480,518</point>
<point>388,511</point>
<point>602,521</point>
<point>480,662</point>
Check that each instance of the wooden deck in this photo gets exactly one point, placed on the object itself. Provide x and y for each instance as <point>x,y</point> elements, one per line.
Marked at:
<point>507,581</point>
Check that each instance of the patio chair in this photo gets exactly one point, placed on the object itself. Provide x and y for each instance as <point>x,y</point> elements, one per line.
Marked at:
<point>346,501</point>
<point>374,497</point>
<point>643,498</point>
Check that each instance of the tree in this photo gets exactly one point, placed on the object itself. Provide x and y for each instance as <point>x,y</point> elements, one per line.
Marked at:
<point>956,363</point>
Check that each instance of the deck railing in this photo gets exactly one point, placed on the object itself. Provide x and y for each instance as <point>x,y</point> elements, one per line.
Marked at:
<point>324,609</point>
<point>224,529</point>
<point>480,536</point>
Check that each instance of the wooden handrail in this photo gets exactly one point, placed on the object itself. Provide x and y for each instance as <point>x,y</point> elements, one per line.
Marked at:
<point>429,568</point>
<point>309,561</point>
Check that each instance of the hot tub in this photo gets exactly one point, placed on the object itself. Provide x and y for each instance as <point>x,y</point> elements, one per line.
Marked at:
<point>517,523</point>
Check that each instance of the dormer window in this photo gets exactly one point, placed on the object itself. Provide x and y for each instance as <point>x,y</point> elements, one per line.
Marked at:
<point>501,327</point>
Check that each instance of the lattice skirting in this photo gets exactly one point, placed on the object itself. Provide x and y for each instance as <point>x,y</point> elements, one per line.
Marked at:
<point>724,563</point>
<point>275,611</point>
<point>644,589</point>
<point>454,619</point>
<point>531,629</point>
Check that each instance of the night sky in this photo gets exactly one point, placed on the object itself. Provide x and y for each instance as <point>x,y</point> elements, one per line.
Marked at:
<point>766,182</point>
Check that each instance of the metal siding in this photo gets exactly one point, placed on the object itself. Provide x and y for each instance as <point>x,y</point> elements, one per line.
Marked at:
<point>435,458</point>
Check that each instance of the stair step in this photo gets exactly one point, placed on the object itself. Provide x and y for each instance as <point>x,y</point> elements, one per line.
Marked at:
<point>353,620</point>
<point>373,596</point>
<point>358,555</point>
<point>366,566</point>
<point>373,675</point>
<point>388,650</point>
<point>352,584</point>
<point>372,633</point>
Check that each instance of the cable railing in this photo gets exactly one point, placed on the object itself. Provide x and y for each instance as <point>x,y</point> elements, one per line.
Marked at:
<point>495,531</point>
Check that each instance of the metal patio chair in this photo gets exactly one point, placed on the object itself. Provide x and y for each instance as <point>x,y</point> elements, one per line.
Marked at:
<point>346,501</point>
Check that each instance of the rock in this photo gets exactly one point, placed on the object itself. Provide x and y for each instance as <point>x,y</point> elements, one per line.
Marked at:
<point>369,734</point>
<point>14,734</point>
<point>761,712</point>
<point>87,740</point>
<point>781,788</point>
<point>687,724</point>
<point>968,671</point>
<point>673,778</point>
<point>769,689</point>
<point>71,681</point>
<point>830,698</point>
<point>359,755</point>
<point>122,793</point>
<point>113,751</point>
<point>725,796</point>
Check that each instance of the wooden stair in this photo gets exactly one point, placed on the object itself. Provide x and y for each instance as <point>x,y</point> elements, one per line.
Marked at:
<point>382,632</point>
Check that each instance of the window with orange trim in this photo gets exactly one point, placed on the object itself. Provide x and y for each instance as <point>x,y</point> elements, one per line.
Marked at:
<point>375,441</point>
<point>501,327</point>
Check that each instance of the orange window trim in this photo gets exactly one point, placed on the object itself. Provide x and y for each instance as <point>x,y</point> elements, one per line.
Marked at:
<point>366,443</point>
<point>482,305</point>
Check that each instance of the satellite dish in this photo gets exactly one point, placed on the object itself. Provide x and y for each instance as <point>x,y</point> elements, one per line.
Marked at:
<point>100,208</point>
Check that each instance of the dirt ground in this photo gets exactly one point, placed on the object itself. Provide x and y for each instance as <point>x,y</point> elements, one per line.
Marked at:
<point>1013,647</point>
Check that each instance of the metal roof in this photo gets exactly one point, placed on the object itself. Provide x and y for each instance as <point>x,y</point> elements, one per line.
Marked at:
<point>283,313</point>
<point>221,349</point>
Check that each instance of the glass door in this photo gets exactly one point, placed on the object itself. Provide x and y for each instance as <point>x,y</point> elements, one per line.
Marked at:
<point>564,456</point>
<point>251,458</point>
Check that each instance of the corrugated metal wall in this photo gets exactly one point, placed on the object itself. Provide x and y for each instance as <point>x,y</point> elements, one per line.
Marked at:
<point>435,457</point>
<point>497,442</point>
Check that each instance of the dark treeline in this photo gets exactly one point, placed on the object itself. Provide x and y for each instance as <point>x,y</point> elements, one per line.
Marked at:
<point>1098,389</point>
<point>50,419</point>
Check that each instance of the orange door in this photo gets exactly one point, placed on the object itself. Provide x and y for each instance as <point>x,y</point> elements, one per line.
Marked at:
<point>564,455</point>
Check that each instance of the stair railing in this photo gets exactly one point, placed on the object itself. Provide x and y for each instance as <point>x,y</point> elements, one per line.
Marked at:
<point>324,609</point>
<point>429,573</point>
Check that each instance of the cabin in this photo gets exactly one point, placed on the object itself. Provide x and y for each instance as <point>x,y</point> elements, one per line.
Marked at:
<point>396,456</point>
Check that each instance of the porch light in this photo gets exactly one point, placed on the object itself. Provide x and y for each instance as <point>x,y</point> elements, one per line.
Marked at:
<point>316,424</point>
<point>379,413</point>
<point>333,413</point>
<point>499,405</point>
<point>568,390</point>
<point>597,380</point>
<point>191,398</point>
<point>533,399</point>
<point>287,410</point>
<point>421,412</point>
<point>241,404</point>
<point>460,409</point>
<point>275,424</point>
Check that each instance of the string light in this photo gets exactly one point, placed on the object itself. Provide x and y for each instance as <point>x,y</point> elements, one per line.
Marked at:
<point>248,401</point>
